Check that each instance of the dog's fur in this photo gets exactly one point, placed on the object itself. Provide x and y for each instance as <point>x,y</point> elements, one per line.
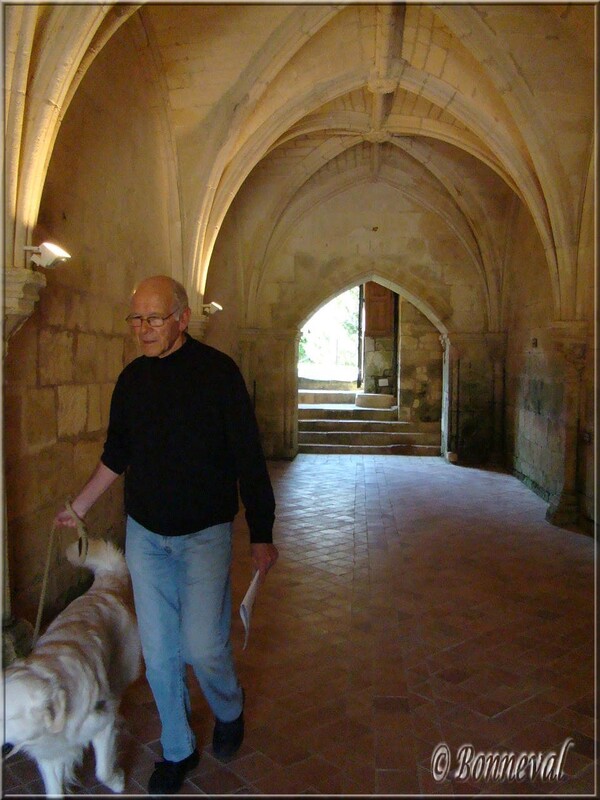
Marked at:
<point>65,694</point>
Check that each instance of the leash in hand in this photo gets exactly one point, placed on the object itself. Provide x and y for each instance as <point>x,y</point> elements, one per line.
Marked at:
<point>83,551</point>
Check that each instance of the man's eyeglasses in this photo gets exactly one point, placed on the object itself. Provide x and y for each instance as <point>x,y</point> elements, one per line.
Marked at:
<point>154,320</point>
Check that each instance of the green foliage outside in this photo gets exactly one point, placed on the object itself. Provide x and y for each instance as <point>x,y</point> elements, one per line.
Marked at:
<point>329,340</point>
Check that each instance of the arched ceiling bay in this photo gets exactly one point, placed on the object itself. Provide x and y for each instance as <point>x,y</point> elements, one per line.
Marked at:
<point>464,109</point>
<point>446,103</point>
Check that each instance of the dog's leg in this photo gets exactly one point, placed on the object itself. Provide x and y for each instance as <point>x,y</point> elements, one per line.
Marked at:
<point>105,749</point>
<point>53,773</point>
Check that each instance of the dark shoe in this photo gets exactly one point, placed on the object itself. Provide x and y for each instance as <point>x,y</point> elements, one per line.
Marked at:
<point>228,737</point>
<point>169,775</point>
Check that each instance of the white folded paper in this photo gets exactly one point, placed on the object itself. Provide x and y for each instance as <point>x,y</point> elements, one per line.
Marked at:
<point>246,606</point>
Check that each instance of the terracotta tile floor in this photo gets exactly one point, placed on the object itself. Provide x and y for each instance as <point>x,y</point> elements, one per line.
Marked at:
<point>415,602</point>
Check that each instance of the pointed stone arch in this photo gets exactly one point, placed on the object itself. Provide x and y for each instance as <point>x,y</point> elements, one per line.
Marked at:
<point>409,294</point>
<point>448,216</point>
<point>360,274</point>
<point>270,355</point>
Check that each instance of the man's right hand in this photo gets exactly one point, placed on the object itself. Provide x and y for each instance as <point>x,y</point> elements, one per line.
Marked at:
<point>65,518</point>
<point>100,480</point>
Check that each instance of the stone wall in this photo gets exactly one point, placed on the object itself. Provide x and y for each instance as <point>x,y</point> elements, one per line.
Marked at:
<point>533,393</point>
<point>104,201</point>
<point>420,366</point>
<point>268,360</point>
<point>472,407</point>
<point>540,381</point>
<point>379,365</point>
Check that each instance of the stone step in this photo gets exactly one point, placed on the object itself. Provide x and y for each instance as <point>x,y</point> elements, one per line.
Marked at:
<point>320,396</point>
<point>316,385</point>
<point>351,397</point>
<point>345,411</point>
<point>371,425</point>
<point>340,427</point>
<point>361,438</point>
<point>391,450</point>
<point>365,400</point>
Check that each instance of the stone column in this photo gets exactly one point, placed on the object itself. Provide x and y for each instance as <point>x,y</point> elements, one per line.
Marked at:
<point>447,429</point>
<point>569,345</point>
<point>268,360</point>
<point>454,350</point>
<point>496,343</point>
<point>21,293</point>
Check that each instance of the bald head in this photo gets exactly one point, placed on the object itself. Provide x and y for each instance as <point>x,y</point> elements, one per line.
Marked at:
<point>160,296</point>
<point>167,287</point>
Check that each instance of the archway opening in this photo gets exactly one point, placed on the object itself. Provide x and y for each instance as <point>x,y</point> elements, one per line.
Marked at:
<point>370,375</point>
<point>330,351</point>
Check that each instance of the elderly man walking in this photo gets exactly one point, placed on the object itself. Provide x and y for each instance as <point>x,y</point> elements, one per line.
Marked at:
<point>182,429</point>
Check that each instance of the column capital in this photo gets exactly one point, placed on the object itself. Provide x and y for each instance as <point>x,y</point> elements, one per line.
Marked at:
<point>21,292</point>
<point>569,340</point>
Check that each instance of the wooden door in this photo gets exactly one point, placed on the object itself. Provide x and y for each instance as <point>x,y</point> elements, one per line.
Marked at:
<point>379,310</point>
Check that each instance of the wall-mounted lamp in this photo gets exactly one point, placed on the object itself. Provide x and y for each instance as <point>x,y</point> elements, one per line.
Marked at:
<point>211,308</point>
<point>48,255</point>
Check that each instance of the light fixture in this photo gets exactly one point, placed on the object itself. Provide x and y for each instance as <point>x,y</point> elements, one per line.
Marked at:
<point>211,308</point>
<point>48,255</point>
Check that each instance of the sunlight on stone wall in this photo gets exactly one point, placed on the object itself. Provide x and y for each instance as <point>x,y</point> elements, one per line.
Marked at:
<point>101,203</point>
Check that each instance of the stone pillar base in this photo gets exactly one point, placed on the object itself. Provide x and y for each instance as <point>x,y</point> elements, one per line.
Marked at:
<point>17,639</point>
<point>497,459</point>
<point>563,510</point>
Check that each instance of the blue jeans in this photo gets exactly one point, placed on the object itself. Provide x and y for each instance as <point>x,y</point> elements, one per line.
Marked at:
<point>182,592</point>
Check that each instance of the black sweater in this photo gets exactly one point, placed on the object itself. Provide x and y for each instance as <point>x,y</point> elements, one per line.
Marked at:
<point>183,430</point>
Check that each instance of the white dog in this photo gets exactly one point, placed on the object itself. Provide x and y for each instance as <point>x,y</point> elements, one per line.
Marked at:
<point>66,693</point>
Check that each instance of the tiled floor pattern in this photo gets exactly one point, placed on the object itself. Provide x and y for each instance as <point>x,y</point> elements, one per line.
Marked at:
<point>415,602</point>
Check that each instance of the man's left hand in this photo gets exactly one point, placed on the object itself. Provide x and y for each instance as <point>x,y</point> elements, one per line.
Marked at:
<point>264,556</point>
